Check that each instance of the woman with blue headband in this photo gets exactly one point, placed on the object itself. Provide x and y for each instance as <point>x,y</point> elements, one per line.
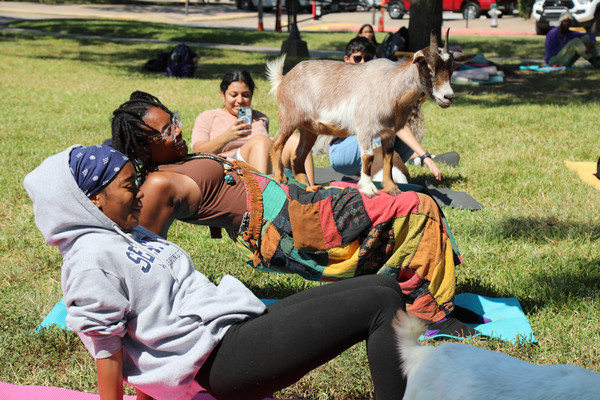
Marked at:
<point>150,319</point>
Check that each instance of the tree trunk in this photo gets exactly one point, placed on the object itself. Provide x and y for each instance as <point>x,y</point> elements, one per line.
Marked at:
<point>425,16</point>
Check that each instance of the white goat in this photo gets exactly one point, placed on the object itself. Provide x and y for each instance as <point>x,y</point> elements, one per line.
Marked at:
<point>370,100</point>
<point>457,371</point>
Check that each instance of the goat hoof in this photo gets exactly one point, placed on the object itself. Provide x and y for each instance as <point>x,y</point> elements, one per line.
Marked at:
<point>368,190</point>
<point>392,191</point>
<point>280,178</point>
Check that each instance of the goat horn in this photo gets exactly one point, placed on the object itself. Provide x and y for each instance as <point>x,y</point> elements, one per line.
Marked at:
<point>433,46</point>
<point>446,44</point>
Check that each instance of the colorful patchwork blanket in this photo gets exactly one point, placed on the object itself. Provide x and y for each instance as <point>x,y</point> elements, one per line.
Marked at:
<point>337,232</point>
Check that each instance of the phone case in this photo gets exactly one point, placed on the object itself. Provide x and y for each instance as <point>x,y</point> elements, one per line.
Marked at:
<point>245,113</point>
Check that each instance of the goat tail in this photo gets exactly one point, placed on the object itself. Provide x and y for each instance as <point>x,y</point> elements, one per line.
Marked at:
<point>408,330</point>
<point>275,73</point>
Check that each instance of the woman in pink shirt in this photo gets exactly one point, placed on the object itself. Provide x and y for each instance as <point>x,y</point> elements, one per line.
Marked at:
<point>219,131</point>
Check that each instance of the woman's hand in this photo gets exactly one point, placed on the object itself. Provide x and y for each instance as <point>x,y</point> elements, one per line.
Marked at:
<point>433,168</point>
<point>238,130</point>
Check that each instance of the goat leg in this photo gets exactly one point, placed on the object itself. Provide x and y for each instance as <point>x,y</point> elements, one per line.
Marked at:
<point>279,142</point>
<point>387,147</point>
<point>365,183</point>
<point>307,140</point>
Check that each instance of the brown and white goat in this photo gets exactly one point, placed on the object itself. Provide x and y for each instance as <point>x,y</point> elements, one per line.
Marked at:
<point>369,100</point>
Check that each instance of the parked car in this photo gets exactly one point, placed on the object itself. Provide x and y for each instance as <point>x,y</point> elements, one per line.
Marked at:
<point>586,14</point>
<point>253,4</point>
<point>468,8</point>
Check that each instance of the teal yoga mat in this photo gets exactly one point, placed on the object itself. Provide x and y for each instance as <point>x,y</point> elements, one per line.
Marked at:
<point>509,323</point>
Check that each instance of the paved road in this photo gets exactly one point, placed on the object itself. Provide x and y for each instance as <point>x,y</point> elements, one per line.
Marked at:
<point>223,13</point>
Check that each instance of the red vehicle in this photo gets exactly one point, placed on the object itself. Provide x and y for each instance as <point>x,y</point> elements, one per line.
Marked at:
<point>468,8</point>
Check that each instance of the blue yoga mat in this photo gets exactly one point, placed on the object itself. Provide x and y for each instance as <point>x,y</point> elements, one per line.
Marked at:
<point>509,323</point>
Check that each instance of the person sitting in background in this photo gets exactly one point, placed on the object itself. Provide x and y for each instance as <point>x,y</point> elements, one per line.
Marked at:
<point>150,319</point>
<point>368,32</point>
<point>219,131</point>
<point>331,234</point>
<point>564,46</point>
<point>344,153</point>
<point>359,50</point>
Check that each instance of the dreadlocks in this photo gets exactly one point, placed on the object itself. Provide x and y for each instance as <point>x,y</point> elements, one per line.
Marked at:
<point>130,132</point>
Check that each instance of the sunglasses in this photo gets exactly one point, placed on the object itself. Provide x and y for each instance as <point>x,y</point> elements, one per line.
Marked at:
<point>170,131</point>
<point>358,59</point>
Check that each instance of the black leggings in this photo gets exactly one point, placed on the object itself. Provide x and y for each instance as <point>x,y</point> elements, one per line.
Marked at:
<point>301,332</point>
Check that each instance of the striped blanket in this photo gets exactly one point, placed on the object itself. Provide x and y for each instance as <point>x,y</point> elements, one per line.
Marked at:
<point>337,233</point>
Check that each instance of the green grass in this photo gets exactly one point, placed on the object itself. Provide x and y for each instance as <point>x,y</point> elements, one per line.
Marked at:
<point>538,239</point>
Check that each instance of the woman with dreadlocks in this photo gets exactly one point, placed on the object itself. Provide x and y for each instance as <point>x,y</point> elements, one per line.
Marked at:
<point>329,234</point>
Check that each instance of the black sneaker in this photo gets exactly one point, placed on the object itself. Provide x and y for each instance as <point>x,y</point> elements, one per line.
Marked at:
<point>451,159</point>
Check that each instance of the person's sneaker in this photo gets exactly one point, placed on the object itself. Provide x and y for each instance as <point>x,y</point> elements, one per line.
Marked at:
<point>450,326</point>
<point>450,158</point>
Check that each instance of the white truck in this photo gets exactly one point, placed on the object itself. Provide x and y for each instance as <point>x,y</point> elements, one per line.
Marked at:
<point>586,14</point>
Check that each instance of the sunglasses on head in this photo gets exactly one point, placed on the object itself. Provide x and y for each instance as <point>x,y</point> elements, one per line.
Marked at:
<point>358,59</point>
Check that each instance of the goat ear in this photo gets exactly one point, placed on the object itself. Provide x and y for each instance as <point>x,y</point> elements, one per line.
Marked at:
<point>462,58</point>
<point>418,56</point>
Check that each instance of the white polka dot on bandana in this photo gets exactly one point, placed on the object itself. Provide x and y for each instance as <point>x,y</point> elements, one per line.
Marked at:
<point>92,157</point>
<point>95,178</point>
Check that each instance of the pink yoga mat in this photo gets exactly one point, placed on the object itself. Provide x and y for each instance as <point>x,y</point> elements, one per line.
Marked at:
<point>18,392</point>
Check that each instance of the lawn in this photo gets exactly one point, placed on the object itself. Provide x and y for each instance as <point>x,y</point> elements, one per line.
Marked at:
<point>538,238</point>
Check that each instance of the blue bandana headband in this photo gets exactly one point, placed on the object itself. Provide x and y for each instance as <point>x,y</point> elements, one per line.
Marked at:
<point>95,166</point>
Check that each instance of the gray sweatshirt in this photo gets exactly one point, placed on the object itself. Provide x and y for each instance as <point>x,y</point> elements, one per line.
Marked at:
<point>133,290</point>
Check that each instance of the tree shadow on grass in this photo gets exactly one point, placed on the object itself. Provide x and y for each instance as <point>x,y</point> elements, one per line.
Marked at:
<point>568,87</point>
<point>581,280</point>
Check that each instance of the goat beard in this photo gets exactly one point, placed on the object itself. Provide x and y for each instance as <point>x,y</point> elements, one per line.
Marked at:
<point>416,119</point>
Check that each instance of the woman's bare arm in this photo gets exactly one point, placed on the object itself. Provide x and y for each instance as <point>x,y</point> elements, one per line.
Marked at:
<point>109,372</point>
<point>167,196</point>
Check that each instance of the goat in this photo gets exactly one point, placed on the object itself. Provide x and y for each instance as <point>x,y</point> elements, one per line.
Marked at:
<point>369,100</point>
<point>454,371</point>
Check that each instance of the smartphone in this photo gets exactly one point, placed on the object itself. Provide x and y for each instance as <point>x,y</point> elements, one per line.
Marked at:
<point>245,113</point>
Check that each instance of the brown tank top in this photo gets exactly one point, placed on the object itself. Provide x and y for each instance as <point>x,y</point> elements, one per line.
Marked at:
<point>222,204</point>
